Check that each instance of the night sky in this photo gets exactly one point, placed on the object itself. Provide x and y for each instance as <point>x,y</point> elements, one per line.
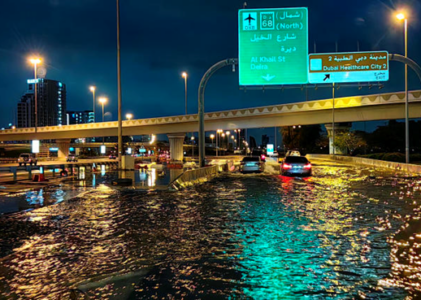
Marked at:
<point>162,38</point>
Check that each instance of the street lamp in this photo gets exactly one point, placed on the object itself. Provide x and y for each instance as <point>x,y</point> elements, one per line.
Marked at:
<point>192,145</point>
<point>102,100</point>
<point>218,133</point>
<point>184,75</point>
<point>212,136</point>
<point>92,89</point>
<point>401,17</point>
<point>129,116</point>
<point>35,62</point>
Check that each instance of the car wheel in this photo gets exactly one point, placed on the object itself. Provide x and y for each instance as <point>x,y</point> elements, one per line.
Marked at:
<point>20,164</point>
<point>24,164</point>
<point>35,163</point>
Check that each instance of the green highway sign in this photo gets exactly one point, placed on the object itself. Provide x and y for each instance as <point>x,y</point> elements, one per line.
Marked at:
<point>349,67</point>
<point>273,46</point>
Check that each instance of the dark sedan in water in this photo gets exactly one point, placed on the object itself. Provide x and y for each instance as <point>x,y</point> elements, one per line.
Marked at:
<point>296,165</point>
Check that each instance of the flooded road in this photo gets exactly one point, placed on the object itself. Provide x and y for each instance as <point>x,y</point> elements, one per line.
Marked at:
<point>344,233</point>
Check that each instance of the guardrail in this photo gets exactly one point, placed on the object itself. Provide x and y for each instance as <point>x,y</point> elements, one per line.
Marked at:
<point>61,166</point>
<point>375,163</point>
<point>192,177</point>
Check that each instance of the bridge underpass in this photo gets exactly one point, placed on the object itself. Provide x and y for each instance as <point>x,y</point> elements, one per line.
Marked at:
<point>347,109</point>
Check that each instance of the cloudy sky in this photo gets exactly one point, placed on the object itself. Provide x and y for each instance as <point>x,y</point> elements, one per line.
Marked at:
<point>162,38</point>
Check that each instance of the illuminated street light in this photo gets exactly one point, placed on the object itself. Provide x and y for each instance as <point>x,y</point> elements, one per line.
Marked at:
<point>102,100</point>
<point>129,116</point>
<point>35,62</point>
<point>184,75</point>
<point>401,17</point>
<point>93,89</point>
<point>212,136</point>
<point>192,145</point>
<point>218,133</point>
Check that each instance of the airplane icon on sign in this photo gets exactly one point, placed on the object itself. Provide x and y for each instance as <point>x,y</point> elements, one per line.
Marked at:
<point>249,18</point>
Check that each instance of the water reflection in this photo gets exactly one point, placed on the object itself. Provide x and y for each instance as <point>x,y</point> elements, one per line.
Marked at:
<point>238,237</point>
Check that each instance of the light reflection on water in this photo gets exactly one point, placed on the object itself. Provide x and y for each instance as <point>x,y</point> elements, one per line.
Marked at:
<point>253,236</point>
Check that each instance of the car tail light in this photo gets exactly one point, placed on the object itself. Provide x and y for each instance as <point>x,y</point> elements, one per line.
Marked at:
<point>263,156</point>
<point>286,166</point>
<point>307,166</point>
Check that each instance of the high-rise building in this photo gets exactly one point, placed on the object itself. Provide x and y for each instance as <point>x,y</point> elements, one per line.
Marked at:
<point>51,103</point>
<point>80,117</point>
<point>265,140</point>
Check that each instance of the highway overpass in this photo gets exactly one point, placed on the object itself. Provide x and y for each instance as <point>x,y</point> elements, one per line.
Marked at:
<point>347,109</point>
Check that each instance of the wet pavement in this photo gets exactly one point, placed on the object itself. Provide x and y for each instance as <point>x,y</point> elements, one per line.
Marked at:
<point>345,233</point>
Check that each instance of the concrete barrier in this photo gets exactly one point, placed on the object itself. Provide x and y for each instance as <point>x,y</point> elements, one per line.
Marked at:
<point>375,163</point>
<point>193,177</point>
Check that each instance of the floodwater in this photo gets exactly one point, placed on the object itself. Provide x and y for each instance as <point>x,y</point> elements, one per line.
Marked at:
<point>28,198</point>
<point>345,233</point>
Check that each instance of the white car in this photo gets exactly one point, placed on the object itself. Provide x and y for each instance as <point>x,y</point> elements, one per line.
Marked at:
<point>27,158</point>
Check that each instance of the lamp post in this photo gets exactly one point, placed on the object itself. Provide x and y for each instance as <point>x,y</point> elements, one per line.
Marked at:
<point>102,100</point>
<point>192,146</point>
<point>212,136</point>
<point>184,75</point>
<point>218,133</point>
<point>35,62</point>
<point>401,17</point>
<point>129,116</point>
<point>92,89</point>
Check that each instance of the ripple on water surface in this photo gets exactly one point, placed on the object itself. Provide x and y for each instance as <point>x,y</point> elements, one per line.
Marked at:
<point>340,234</point>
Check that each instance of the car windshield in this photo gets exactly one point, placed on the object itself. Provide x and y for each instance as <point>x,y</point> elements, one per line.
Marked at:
<point>24,155</point>
<point>296,159</point>
<point>251,158</point>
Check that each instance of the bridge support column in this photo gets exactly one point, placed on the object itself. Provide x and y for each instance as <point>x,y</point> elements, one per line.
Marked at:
<point>339,128</point>
<point>176,146</point>
<point>63,148</point>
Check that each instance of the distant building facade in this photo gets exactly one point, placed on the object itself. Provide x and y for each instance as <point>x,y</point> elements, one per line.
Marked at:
<point>51,104</point>
<point>80,117</point>
<point>265,140</point>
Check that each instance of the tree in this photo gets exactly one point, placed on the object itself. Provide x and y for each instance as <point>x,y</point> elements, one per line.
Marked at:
<point>349,142</point>
<point>301,137</point>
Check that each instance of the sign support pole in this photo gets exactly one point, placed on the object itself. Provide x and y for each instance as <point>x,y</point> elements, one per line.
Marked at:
<point>201,103</point>
<point>120,124</point>
<point>333,118</point>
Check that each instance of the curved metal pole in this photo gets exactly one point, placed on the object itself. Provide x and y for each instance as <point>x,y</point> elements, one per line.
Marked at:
<point>412,64</point>
<point>201,102</point>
